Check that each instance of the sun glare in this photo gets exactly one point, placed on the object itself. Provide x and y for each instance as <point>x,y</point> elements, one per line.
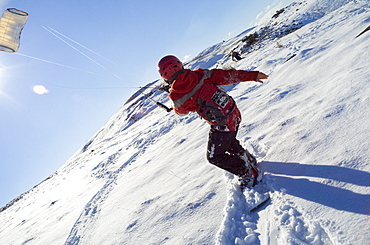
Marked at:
<point>2,73</point>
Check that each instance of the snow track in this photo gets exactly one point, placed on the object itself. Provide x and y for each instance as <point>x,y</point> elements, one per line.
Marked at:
<point>280,223</point>
<point>239,225</point>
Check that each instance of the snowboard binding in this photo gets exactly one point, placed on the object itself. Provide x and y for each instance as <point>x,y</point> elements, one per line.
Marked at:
<point>249,179</point>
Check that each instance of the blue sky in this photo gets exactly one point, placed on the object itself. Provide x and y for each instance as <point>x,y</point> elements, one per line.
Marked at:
<point>125,40</point>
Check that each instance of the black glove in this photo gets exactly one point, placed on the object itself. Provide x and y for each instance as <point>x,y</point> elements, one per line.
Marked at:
<point>165,88</point>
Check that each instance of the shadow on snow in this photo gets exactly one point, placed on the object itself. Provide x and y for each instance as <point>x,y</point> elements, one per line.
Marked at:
<point>328,195</point>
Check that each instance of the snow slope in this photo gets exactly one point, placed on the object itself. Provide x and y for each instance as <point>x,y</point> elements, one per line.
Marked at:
<point>144,179</point>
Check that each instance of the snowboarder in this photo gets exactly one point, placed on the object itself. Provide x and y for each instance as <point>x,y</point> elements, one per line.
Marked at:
<point>197,91</point>
<point>235,56</point>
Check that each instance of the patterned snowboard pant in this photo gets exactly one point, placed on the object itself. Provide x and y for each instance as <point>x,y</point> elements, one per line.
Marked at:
<point>223,150</point>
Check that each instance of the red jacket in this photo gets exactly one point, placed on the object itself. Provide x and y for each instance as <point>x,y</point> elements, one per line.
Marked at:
<point>193,88</point>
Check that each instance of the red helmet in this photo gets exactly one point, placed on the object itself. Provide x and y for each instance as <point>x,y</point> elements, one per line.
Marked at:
<point>168,66</point>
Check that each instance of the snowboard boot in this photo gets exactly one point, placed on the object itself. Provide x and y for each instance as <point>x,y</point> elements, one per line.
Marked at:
<point>251,161</point>
<point>248,158</point>
<point>249,178</point>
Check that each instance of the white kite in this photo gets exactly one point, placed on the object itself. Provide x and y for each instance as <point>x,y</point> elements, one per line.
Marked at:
<point>11,26</point>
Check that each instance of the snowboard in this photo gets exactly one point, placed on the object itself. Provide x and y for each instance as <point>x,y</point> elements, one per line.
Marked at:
<point>256,197</point>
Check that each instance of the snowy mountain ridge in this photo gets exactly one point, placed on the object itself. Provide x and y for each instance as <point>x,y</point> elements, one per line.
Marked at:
<point>283,22</point>
<point>144,179</point>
